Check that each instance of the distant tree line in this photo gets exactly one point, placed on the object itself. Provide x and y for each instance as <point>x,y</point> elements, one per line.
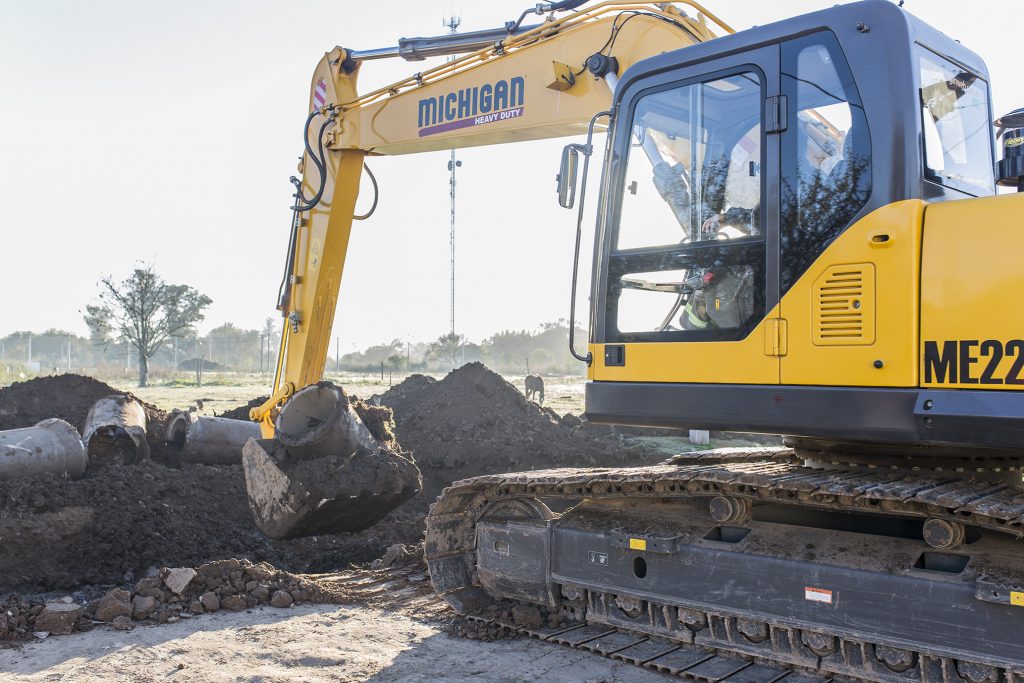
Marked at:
<point>142,323</point>
<point>543,350</point>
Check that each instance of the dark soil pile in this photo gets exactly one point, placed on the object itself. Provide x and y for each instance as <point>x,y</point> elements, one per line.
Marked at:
<point>119,520</point>
<point>473,422</point>
<point>69,397</point>
<point>242,412</point>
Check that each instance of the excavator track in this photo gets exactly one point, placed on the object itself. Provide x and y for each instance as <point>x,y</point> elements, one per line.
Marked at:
<point>709,642</point>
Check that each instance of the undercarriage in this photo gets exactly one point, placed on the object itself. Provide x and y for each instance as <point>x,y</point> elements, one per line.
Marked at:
<point>762,567</point>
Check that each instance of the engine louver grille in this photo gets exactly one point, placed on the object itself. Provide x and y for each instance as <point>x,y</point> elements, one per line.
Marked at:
<point>844,305</point>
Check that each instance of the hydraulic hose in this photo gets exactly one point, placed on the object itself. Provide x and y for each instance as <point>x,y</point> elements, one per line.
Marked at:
<point>376,196</point>
<point>318,161</point>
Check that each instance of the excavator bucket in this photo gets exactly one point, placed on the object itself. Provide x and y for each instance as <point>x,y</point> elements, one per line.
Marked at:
<point>325,471</point>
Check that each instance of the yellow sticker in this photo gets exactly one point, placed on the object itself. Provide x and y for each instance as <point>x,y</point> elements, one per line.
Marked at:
<point>1017,598</point>
<point>718,304</point>
<point>1014,142</point>
<point>637,544</point>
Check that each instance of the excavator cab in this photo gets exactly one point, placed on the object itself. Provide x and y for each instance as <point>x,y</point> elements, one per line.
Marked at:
<point>775,205</point>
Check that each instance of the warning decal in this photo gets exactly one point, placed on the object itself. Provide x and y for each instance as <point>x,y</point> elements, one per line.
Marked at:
<point>320,94</point>
<point>818,595</point>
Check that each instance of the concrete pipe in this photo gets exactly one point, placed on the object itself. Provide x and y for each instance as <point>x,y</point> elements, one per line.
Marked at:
<point>209,440</point>
<point>115,431</point>
<point>52,447</point>
<point>319,421</point>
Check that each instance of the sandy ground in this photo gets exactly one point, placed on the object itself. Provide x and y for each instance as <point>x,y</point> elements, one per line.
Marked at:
<point>307,643</point>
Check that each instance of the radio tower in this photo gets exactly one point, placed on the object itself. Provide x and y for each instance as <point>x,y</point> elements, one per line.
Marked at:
<point>453,25</point>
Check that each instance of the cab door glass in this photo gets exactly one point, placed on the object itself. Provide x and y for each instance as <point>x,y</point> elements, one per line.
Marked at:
<point>826,153</point>
<point>688,259</point>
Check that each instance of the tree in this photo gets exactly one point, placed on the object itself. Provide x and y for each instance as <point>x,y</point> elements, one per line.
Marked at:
<point>144,310</point>
<point>447,349</point>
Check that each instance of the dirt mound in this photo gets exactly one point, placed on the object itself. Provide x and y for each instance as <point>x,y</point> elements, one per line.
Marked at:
<point>70,397</point>
<point>58,534</point>
<point>473,422</point>
<point>242,412</point>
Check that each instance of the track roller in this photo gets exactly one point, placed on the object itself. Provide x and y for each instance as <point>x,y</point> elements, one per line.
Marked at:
<point>728,509</point>
<point>943,534</point>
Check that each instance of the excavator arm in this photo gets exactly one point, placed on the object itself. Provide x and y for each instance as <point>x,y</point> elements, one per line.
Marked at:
<point>514,84</point>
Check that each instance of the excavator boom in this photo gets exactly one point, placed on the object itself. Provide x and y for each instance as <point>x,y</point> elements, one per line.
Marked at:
<point>544,82</point>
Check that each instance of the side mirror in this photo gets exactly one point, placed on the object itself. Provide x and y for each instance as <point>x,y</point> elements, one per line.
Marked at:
<point>567,176</point>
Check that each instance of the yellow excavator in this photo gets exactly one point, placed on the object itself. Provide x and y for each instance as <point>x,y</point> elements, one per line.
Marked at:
<point>798,233</point>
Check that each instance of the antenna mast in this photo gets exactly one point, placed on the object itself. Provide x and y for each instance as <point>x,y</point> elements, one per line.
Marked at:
<point>453,25</point>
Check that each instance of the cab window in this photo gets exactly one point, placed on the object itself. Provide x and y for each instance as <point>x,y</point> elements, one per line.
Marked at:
<point>826,152</point>
<point>688,254</point>
<point>955,118</point>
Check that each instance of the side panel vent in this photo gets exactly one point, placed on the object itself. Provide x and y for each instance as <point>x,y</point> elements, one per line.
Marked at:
<point>843,306</point>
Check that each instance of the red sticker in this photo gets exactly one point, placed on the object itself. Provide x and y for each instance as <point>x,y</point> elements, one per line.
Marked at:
<point>818,595</point>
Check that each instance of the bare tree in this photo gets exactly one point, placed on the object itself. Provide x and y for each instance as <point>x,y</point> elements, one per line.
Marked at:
<point>447,349</point>
<point>145,311</point>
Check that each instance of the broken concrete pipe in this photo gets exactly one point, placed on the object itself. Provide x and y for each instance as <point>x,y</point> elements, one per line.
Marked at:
<point>325,472</point>
<point>318,421</point>
<point>209,440</point>
<point>115,431</point>
<point>52,447</point>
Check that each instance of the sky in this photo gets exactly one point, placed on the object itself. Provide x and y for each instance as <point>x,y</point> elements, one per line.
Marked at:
<point>166,131</point>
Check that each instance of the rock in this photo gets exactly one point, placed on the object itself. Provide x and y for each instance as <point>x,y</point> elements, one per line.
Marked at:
<point>261,572</point>
<point>148,583</point>
<point>528,617</point>
<point>570,420</point>
<point>4,627</point>
<point>392,555</point>
<point>123,623</point>
<point>113,605</point>
<point>172,619</point>
<point>59,618</point>
<point>41,635</point>
<point>178,578</point>
<point>209,601</point>
<point>296,595</point>
<point>143,606</point>
<point>151,593</point>
<point>281,599</point>
<point>250,586</point>
<point>196,607</point>
<point>235,603</point>
<point>261,594</point>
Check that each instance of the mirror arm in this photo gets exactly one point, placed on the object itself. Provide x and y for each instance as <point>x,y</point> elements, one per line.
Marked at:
<point>587,150</point>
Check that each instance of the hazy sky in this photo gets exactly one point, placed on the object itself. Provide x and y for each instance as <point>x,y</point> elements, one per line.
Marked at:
<point>166,131</point>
